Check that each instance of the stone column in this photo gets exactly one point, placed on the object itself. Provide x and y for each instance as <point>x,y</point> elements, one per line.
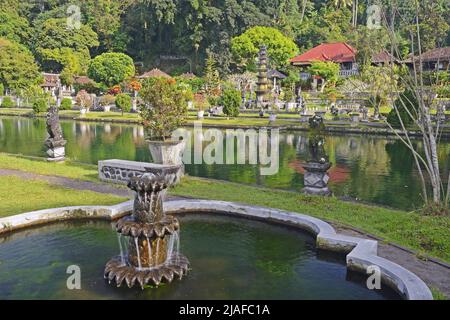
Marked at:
<point>316,178</point>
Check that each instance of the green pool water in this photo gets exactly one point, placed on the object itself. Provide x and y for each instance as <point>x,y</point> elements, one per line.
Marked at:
<point>231,258</point>
<point>373,169</point>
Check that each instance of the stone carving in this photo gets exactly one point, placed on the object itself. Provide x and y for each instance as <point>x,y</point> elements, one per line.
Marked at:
<point>316,177</point>
<point>55,142</point>
<point>121,171</point>
<point>152,236</point>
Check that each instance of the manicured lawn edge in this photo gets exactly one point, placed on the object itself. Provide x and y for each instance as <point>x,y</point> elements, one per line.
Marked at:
<point>18,195</point>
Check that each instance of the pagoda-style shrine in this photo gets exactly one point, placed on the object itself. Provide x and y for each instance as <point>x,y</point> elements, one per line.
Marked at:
<point>263,84</point>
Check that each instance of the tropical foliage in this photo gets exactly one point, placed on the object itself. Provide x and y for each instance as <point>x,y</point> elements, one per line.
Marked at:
<point>165,107</point>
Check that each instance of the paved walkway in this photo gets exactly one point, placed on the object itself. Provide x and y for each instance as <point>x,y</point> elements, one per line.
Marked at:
<point>433,273</point>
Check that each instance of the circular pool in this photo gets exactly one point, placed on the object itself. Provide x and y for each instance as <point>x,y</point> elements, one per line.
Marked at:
<point>231,258</point>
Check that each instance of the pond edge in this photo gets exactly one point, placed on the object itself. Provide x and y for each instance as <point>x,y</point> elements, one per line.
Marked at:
<point>361,253</point>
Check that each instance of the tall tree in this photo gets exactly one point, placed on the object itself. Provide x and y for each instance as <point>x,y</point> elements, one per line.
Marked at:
<point>279,47</point>
<point>18,70</point>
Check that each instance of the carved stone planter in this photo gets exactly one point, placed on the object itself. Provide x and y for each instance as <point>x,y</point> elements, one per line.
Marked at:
<point>316,178</point>
<point>167,152</point>
<point>200,114</point>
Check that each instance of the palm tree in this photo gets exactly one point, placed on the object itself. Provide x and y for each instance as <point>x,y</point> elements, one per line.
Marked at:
<point>347,3</point>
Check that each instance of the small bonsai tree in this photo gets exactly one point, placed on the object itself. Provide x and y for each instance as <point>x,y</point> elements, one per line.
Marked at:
<point>66,104</point>
<point>231,102</point>
<point>40,105</point>
<point>7,102</point>
<point>84,100</point>
<point>164,108</point>
<point>107,100</point>
<point>123,102</point>
<point>201,102</point>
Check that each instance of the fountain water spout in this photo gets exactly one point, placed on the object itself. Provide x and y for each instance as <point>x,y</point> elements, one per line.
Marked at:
<point>151,258</point>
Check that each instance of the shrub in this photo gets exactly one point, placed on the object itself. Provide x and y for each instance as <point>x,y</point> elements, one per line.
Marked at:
<point>406,101</point>
<point>7,102</point>
<point>2,89</point>
<point>40,105</point>
<point>115,90</point>
<point>443,92</point>
<point>231,102</point>
<point>214,100</point>
<point>66,104</point>
<point>91,87</point>
<point>164,108</point>
<point>107,100</point>
<point>123,102</point>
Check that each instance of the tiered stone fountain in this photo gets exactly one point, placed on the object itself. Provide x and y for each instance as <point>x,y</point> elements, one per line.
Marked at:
<point>150,253</point>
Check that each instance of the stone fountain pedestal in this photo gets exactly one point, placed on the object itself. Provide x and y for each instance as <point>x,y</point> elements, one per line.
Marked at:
<point>316,178</point>
<point>152,253</point>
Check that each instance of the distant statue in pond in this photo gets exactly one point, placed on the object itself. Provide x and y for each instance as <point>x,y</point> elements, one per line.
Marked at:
<point>317,140</point>
<point>316,176</point>
<point>55,142</point>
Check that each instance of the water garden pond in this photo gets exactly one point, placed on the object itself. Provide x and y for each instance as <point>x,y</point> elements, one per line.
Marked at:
<point>374,169</point>
<point>231,258</point>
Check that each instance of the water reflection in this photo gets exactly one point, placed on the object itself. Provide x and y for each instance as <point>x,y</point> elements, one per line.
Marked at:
<point>370,168</point>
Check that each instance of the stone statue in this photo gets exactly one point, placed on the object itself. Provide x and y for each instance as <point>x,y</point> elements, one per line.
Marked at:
<point>55,142</point>
<point>316,177</point>
<point>316,139</point>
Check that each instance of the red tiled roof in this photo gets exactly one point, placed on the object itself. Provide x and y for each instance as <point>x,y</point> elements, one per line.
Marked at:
<point>155,73</point>
<point>188,75</point>
<point>82,80</point>
<point>384,57</point>
<point>437,54</point>
<point>336,52</point>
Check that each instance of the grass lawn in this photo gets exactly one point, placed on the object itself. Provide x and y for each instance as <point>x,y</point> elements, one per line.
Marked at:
<point>425,234</point>
<point>67,169</point>
<point>18,195</point>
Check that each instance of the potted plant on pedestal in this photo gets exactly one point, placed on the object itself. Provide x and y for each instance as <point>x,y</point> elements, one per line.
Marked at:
<point>164,110</point>
<point>85,101</point>
<point>201,103</point>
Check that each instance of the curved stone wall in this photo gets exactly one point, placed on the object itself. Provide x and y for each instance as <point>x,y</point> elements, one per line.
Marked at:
<point>361,253</point>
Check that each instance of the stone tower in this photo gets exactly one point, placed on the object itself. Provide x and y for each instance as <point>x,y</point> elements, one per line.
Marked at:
<point>262,89</point>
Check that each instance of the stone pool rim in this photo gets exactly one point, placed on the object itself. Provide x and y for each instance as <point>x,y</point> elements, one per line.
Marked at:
<point>361,253</point>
